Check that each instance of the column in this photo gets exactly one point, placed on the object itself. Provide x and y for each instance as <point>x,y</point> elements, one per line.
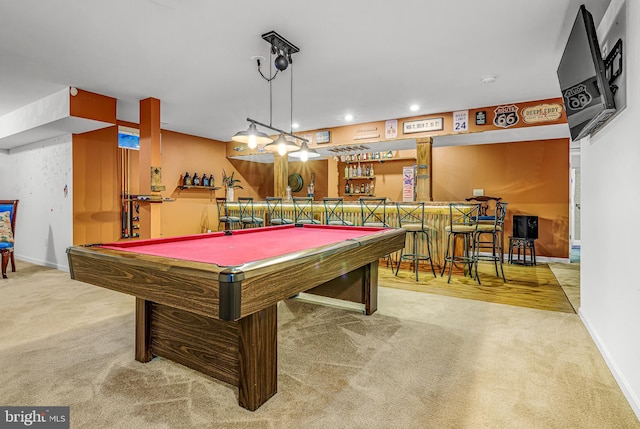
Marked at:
<point>280,175</point>
<point>423,173</point>
<point>150,166</point>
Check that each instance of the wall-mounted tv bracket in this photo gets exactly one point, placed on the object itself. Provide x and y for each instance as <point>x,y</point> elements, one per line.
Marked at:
<point>613,65</point>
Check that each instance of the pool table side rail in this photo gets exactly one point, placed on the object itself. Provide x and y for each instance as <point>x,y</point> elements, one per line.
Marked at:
<point>196,286</point>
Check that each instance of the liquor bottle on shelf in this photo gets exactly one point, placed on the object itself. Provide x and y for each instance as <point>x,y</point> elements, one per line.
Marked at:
<point>352,190</point>
<point>346,171</point>
<point>366,188</point>
<point>346,188</point>
<point>371,171</point>
<point>359,172</point>
<point>362,188</point>
<point>212,181</point>
<point>187,179</point>
<point>205,180</point>
<point>196,179</point>
<point>371,187</point>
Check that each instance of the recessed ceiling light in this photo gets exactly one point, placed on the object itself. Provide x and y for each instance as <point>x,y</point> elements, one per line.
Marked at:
<point>348,117</point>
<point>414,107</point>
<point>295,125</point>
<point>490,78</point>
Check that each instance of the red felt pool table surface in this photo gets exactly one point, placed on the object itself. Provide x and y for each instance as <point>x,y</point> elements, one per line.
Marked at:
<point>243,246</point>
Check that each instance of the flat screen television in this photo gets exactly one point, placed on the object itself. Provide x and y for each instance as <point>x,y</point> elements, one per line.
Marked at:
<point>586,93</point>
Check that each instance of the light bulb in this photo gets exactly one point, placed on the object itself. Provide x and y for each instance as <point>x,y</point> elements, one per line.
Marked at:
<point>282,149</point>
<point>304,156</point>
<point>252,142</point>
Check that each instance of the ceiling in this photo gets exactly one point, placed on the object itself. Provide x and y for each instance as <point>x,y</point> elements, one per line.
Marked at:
<point>372,62</point>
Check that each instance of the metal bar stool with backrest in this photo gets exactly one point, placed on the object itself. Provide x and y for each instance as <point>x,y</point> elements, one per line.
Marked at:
<point>223,214</point>
<point>463,223</point>
<point>275,212</point>
<point>373,212</point>
<point>334,212</point>
<point>247,214</point>
<point>8,212</point>
<point>495,230</point>
<point>411,219</point>
<point>303,210</point>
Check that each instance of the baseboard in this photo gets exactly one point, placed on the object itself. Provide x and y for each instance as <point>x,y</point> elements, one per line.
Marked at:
<point>40,262</point>
<point>628,393</point>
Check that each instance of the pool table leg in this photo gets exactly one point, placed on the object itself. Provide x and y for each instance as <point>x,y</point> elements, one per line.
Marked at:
<point>143,330</point>
<point>258,357</point>
<point>370,280</point>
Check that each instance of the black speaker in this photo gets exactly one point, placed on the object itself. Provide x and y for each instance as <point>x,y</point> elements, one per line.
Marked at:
<point>525,227</point>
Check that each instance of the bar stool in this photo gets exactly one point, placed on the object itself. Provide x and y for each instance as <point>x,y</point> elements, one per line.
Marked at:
<point>303,210</point>
<point>524,244</point>
<point>247,214</point>
<point>370,213</point>
<point>334,212</point>
<point>411,219</point>
<point>370,208</point>
<point>223,214</point>
<point>275,212</point>
<point>494,229</point>
<point>463,223</point>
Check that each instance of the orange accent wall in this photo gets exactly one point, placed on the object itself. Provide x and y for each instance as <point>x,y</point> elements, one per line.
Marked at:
<point>532,176</point>
<point>96,188</point>
<point>193,210</point>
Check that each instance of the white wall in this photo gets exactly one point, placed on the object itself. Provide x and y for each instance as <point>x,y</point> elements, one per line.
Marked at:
<point>36,174</point>
<point>610,282</point>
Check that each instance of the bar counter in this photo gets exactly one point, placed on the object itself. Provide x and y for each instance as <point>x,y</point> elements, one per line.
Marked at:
<point>436,219</point>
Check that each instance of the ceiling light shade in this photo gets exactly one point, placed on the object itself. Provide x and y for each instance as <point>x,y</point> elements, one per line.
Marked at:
<point>252,137</point>
<point>305,153</point>
<point>281,145</point>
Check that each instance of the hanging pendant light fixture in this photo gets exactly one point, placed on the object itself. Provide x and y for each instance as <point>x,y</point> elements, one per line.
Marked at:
<point>281,145</point>
<point>252,137</point>
<point>305,153</point>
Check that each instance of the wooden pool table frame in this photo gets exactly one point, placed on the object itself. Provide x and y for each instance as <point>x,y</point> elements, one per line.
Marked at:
<point>222,321</point>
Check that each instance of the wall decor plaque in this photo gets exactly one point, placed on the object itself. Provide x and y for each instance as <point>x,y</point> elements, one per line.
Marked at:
<point>423,125</point>
<point>542,113</point>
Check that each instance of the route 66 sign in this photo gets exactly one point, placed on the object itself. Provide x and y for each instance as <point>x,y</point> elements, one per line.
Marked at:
<point>506,116</point>
<point>577,97</point>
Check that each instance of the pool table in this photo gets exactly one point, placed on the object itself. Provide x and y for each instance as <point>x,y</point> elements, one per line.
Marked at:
<point>209,301</point>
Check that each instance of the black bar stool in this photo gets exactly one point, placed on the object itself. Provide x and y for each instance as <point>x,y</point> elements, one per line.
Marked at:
<point>411,219</point>
<point>247,214</point>
<point>463,223</point>
<point>275,213</point>
<point>334,212</point>
<point>303,210</point>
<point>495,230</point>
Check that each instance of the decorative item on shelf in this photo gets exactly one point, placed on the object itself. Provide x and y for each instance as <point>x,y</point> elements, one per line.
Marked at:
<point>230,184</point>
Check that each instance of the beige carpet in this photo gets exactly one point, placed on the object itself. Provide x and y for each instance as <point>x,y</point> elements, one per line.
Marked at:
<point>422,361</point>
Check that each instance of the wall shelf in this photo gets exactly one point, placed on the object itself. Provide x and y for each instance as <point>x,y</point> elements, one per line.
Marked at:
<point>210,188</point>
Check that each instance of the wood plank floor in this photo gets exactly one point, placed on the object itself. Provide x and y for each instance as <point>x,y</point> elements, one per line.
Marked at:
<point>526,286</point>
